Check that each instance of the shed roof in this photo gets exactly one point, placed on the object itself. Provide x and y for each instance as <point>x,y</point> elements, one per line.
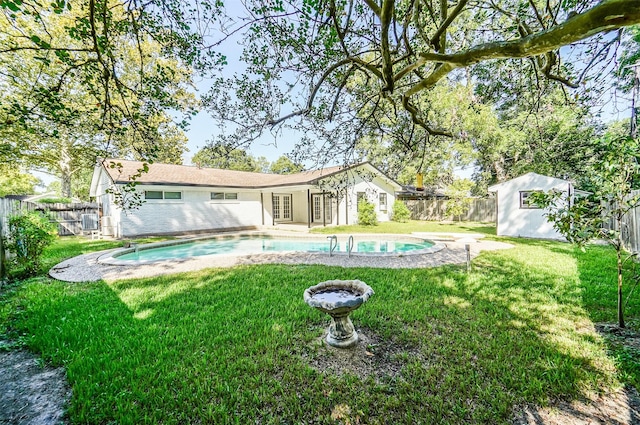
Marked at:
<point>532,181</point>
<point>121,171</point>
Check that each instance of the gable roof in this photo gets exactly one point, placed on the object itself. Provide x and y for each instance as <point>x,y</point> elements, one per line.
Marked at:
<point>532,181</point>
<point>183,175</point>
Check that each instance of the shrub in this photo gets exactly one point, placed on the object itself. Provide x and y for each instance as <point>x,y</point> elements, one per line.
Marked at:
<point>29,234</point>
<point>55,201</point>
<point>367,213</point>
<point>400,212</point>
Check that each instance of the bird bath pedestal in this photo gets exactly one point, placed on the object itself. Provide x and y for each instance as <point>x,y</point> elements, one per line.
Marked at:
<point>338,298</point>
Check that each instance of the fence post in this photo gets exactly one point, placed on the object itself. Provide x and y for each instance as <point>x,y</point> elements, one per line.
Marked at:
<point>3,269</point>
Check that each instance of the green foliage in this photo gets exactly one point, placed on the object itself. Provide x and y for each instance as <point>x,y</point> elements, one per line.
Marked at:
<point>601,215</point>
<point>459,200</point>
<point>226,158</point>
<point>400,212</point>
<point>629,59</point>
<point>367,213</point>
<point>55,200</point>
<point>14,182</point>
<point>284,165</point>
<point>67,105</point>
<point>29,234</point>
<point>389,99</point>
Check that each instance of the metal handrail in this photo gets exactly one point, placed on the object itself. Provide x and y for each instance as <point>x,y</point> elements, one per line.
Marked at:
<point>333,243</point>
<point>350,245</point>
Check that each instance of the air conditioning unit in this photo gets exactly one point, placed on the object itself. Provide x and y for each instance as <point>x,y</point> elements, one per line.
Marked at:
<point>89,222</point>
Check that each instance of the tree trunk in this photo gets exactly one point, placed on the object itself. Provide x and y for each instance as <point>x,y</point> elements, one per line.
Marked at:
<point>65,172</point>
<point>620,305</point>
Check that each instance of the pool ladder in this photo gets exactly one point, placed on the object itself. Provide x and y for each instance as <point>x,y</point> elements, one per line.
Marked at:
<point>333,244</point>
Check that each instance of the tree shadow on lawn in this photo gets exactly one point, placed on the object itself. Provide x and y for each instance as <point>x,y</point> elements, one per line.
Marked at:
<point>598,275</point>
<point>236,344</point>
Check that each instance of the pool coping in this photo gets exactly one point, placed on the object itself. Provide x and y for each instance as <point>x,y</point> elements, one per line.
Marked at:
<point>86,268</point>
<point>111,257</point>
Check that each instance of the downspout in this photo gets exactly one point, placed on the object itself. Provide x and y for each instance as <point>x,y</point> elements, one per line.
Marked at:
<point>262,206</point>
<point>273,220</point>
<point>337,208</point>
<point>346,206</point>
<point>309,208</point>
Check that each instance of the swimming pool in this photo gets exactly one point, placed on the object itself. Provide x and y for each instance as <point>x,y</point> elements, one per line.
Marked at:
<point>261,244</point>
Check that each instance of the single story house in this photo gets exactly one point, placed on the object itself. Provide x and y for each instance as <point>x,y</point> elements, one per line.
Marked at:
<point>516,216</point>
<point>186,199</point>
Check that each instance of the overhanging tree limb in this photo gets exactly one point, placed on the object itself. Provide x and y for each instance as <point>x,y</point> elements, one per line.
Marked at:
<point>608,15</point>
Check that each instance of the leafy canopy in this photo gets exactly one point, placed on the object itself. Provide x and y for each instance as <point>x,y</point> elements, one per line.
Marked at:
<point>340,71</point>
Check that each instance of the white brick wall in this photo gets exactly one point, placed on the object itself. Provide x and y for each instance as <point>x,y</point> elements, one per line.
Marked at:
<point>195,211</point>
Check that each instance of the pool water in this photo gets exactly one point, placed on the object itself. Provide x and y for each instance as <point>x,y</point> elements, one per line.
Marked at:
<point>244,246</point>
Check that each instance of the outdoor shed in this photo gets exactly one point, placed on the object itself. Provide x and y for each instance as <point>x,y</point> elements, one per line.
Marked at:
<point>516,216</point>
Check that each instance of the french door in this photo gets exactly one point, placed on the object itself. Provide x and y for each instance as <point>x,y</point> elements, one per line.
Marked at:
<point>320,205</point>
<point>282,207</point>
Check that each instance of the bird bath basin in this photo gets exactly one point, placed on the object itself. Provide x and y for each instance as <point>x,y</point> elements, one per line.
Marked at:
<point>338,298</point>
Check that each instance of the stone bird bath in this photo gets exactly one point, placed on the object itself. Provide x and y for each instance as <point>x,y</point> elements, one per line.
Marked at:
<point>338,298</point>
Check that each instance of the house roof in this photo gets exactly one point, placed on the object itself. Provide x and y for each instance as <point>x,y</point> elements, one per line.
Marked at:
<point>182,175</point>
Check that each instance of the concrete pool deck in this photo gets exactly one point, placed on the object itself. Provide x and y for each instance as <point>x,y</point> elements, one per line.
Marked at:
<point>87,268</point>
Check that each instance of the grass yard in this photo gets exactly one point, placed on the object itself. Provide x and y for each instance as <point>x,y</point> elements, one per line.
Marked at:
<point>236,345</point>
<point>412,226</point>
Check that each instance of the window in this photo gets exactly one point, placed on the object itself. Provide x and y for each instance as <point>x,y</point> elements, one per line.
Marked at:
<point>152,194</point>
<point>383,202</point>
<point>525,202</point>
<point>286,207</point>
<point>327,208</point>
<point>222,195</point>
<point>276,207</point>
<point>172,195</point>
<point>317,207</point>
<point>159,194</point>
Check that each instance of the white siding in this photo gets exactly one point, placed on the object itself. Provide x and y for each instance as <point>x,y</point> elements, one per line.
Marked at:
<point>373,190</point>
<point>194,212</point>
<point>197,212</point>
<point>523,222</point>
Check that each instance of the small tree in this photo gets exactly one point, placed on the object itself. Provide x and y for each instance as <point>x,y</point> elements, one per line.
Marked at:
<point>367,213</point>
<point>29,234</point>
<point>601,217</point>
<point>458,194</point>
<point>400,212</point>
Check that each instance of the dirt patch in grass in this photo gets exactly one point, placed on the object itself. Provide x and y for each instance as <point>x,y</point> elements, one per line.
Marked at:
<point>370,357</point>
<point>621,407</point>
<point>29,392</point>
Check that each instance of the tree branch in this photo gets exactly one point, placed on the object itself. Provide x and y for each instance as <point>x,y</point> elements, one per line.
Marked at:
<point>606,16</point>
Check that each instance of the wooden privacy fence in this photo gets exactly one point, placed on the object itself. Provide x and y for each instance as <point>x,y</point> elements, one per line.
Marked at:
<point>483,210</point>
<point>68,216</point>
<point>631,229</point>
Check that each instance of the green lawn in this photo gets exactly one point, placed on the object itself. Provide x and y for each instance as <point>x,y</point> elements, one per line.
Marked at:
<point>235,345</point>
<point>412,226</point>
